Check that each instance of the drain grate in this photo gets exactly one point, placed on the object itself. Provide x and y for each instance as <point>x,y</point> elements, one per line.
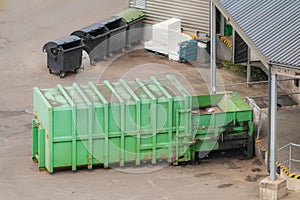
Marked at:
<point>284,100</point>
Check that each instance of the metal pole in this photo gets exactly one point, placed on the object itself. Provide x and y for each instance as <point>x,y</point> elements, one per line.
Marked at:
<point>273,132</point>
<point>212,48</point>
<point>290,161</point>
<point>233,46</point>
<point>222,24</point>
<point>249,66</point>
<point>269,114</point>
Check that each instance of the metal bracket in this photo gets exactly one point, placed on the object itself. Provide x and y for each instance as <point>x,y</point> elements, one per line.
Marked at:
<point>295,73</point>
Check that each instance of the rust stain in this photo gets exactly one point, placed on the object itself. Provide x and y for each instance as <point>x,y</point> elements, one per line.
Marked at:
<point>47,137</point>
<point>146,157</point>
<point>35,125</point>
<point>90,162</point>
<point>163,156</point>
<point>35,115</point>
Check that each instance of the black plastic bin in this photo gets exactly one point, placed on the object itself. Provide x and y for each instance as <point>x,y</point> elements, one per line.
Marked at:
<point>95,41</point>
<point>203,54</point>
<point>117,36</point>
<point>135,21</point>
<point>64,55</point>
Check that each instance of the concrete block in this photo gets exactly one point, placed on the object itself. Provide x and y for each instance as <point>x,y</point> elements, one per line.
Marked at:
<point>273,190</point>
<point>223,52</point>
<point>292,184</point>
<point>261,155</point>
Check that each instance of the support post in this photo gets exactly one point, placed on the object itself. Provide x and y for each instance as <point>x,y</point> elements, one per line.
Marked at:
<point>273,187</point>
<point>269,116</point>
<point>213,48</point>
<point>273,133</point>
<point>249,66</point>
<point>233,46</point>
<point>222,24</point>
<point>290,161</point>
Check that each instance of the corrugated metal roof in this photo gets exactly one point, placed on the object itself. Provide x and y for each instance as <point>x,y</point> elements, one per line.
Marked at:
<point>272,25</point>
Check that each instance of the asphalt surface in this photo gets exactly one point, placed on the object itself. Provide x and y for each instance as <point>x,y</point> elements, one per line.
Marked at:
<point>25,27</point>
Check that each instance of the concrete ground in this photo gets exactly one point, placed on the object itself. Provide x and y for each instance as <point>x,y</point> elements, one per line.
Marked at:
<point>287,133</point>
<point>25,27</point>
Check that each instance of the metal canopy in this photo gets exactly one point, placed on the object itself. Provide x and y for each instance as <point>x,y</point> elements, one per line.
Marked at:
<point>271,30</point>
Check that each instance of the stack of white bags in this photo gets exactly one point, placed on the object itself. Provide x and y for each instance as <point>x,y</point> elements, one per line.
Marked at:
<point>166,37</point>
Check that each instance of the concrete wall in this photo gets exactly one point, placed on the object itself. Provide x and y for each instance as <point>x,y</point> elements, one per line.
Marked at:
<point>289,87</point>
<point>223,52</point>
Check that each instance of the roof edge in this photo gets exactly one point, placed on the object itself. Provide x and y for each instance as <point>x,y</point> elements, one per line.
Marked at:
<point>242,34</point>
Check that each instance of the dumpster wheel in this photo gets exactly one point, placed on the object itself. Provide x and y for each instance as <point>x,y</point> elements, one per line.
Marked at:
<point>76,70</point>
<point>93,63</point>
<point>62,74</point>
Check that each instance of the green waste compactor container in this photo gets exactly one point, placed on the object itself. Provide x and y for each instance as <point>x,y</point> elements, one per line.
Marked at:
<point>111,123</point>
<point>220,122</point>
<point>135,21</point>
<point>140,121</point>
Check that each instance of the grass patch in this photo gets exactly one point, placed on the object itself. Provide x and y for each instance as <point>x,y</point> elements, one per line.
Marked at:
<point>256,73</point>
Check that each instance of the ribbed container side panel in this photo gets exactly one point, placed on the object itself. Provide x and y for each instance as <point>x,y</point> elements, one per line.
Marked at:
<point>141,121</point>
<point>194,14</point>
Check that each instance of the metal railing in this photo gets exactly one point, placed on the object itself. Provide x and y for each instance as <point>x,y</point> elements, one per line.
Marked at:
<point>291,160</point>
<point>258,115</point>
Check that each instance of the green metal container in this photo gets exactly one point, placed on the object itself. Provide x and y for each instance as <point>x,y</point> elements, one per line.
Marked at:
<point>133,122</point>
<point>111,123</point>
<point>222,121</point>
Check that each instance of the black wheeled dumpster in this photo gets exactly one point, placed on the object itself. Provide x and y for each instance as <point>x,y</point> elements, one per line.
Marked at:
<point>203,50</point>
<point>117,36</point>
<point>95,41</point>
<point>135,21</point>
<point>64,55</point>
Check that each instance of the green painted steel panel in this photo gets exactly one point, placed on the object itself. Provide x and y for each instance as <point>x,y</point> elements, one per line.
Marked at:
<point>133,122</point>
<point>109,123</point>
<point>231,120</point>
